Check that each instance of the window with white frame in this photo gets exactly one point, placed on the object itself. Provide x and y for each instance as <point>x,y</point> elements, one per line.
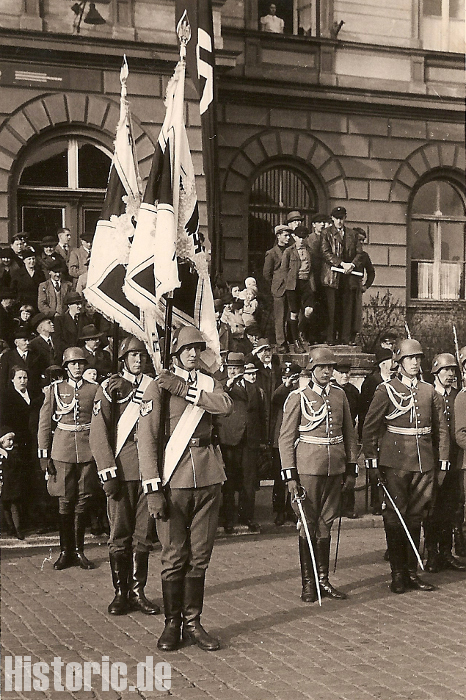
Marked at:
<point>62,183</point>
<point>437,241</point>
<point>443,25</point>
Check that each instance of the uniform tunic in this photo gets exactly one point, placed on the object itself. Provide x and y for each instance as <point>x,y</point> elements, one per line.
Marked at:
<point>405,428</point>
<point>317,441</point>
<point>69,403</point>
<point>193,490</point>
<point>128,512</point>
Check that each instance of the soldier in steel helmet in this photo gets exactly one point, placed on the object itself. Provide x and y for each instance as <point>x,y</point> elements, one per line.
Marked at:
<point>439,523</point>
<point>183,492</point>
<point>318,451</point>
<point>460,437</point>
<point>115,450</point>
<point>65,455</point>
<point>405,437</point>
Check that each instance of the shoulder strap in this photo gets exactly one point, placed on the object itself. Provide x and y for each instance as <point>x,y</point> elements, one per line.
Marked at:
<point>184,429</point>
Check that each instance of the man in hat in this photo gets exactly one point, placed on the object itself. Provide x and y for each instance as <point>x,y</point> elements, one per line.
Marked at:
<point>440,520</point>
<point>314,241</point>
<point>80,256</point>
<point>44,343</point>
<point>388,340</point>
<point>51,294</point>
<point>69,324</point>
<point>7,324</point>
<point>22,356</point>
<point>26,279</point>
<point>382,372</point>
<point>223,329</point>
<point>405,437</point>
<point>96,357</point>
<point>318,452</point>
<point>241,434</point>
<point>48,255</point>
<point>66,456</point>
<point>116,455</point>
<point>6,268</point>
<point>273,275</point>
<point>342,250</point>
<point>184,489</point>
<point>18,243</point>
<point>296,268</point>
<point>294,219</point>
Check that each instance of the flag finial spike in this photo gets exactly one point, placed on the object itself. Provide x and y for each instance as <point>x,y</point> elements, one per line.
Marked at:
<point>124,72</point>
<point>183,30</point>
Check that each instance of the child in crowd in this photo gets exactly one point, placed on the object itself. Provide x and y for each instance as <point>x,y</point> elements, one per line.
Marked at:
<point>10,467</point>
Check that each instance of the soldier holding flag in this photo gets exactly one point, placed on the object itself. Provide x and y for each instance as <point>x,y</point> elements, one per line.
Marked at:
<point>184,489</point>
<point>118,468</point>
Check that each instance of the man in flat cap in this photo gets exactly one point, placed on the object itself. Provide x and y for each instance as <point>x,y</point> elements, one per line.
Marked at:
<point>69,325</point>
<point>342,254</point>
<point>273,274</point>
<point>51,294</point>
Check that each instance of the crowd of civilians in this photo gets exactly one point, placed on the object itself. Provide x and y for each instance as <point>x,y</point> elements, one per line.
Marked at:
<point>43,312</point>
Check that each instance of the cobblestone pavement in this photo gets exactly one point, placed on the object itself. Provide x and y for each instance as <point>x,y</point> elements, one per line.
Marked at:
<point>374,645</point>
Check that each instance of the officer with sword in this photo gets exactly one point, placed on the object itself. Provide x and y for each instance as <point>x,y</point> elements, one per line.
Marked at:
<point>318,452</point>
<point>184,487</point>
<point>405,437</point>
<point>114,446</point>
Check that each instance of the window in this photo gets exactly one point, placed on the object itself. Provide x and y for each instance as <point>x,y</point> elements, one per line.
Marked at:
<point>437,242</point>
<point>443,25</point>
<point>62,183</point>
<point>298,16</point>
<point>274,193</point>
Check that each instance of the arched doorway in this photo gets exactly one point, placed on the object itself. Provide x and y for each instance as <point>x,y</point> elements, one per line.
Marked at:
<point>275,191</point>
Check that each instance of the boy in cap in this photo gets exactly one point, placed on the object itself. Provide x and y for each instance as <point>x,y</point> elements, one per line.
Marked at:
<point>274,276</point>
<point>296,268</point>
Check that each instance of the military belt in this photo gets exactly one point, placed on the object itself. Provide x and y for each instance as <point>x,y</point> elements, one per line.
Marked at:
<point>81,428</point>
<point>321,440</point>
<point>409,431</point>
<point>199,442</point>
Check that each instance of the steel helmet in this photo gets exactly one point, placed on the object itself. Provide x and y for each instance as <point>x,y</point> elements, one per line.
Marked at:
<point>407,348</point>
<point>74,355</point>
<point>442,360</point>
<point>321,356</point>
<point>130,344</point>
<point>187,335</point>
<point>462,354</point>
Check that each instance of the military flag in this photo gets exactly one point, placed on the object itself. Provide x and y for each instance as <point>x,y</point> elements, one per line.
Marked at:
<point>167,237</point>
<point>114,234</point>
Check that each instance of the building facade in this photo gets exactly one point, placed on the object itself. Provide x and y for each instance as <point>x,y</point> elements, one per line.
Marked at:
<point>354,103</point>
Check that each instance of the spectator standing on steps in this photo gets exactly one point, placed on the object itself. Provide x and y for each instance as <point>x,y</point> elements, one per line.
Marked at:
<point>273,274</point>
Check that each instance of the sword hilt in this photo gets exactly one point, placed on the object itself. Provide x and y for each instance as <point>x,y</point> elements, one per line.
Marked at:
<point>300,496</point>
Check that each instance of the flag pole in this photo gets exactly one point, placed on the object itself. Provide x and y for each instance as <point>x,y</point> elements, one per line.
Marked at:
<point>184,35</point>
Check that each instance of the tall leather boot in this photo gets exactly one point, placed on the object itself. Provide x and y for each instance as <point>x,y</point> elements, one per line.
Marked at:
<point>433,564</point>
<point>79,532</point>
<point>323,557</point>
<point>193,601</point>
<point>458,533</point>
<point>294,331</point>
<point>136,597</point>
<point>411,578</point>
<point>447,559</point>
<point>396,541</point>
<point>67,556</point>
<point>120,565</point>
<point>309,592</point>
<point>172,592</point>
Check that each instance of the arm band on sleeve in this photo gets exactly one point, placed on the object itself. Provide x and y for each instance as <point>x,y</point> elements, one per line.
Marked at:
<point>107,474</point>
<point>152,485</point>
<point>43,454</point>
<point>193,395</point>
<point>372,463</point>
<point>351,469</point>
<point>290,474</point>
<point>444,465</point>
